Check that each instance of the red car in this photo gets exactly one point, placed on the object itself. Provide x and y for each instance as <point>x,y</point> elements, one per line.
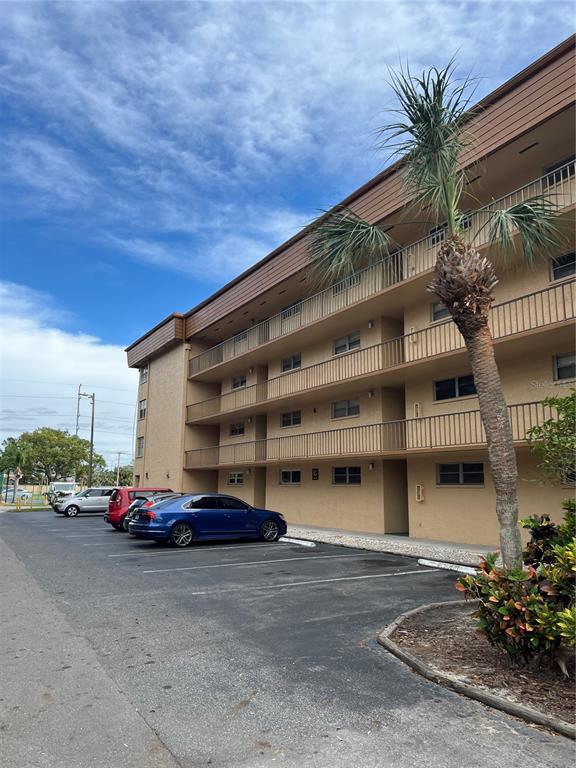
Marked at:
<point>120,500</point>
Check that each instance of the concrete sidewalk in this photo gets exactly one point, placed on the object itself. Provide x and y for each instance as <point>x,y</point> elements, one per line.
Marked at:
<point>58,706</point>
<point>445,551</point>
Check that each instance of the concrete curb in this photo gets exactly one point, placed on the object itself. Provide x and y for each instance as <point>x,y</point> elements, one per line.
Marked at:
<point>479,694</point>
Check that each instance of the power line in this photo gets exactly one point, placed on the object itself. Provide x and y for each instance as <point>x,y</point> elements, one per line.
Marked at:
<point>66,384</point>
<point>61,397</point>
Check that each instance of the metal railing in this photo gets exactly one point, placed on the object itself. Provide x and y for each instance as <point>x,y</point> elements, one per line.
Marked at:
<point>411,260</point>
<point>554,304</point>
<point>449,430</point>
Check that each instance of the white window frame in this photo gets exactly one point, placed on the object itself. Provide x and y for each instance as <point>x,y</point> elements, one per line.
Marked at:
<point>241,377</point>
<point>349,343</point>
<point>443,309</point>
<point>553,277</point>
<point>235,478</point>
<point>292,423</point>
<point>350,404</point>
<point>456,380</point>
<point>142,406</point>
<point>460,483</point>
<point>347,476</point>
<point>437,234</point>
<point>144,374</point>
<point>290,480</point>
<point>291,363</point>
<point>556,366</point>
<point>237,429</point>
<point>139,447</point>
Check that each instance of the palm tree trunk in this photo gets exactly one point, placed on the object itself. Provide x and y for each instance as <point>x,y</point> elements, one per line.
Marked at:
<point>501,453</point>
<point>464,281</point>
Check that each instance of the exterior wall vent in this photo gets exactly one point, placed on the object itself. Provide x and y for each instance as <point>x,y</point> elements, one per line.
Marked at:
<point>419,492</point>
<point>417,410</point>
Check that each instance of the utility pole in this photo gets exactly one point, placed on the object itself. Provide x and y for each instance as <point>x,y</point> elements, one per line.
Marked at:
<point>78,408</point>
<point>91,459</point>
<point>92,398</point>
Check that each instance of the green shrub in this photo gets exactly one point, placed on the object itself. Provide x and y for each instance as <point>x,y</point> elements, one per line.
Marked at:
<point>527,613</point>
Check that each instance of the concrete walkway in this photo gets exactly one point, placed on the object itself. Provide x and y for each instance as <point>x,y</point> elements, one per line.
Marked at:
<point>446,551</point>
<point>58,706</point>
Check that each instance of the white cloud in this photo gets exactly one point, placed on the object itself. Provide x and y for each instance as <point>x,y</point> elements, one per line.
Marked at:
<point>201,120</point>
<point>43,365</point>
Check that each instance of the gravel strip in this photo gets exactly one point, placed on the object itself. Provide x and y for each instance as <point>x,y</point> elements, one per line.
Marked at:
<point>396,546</point>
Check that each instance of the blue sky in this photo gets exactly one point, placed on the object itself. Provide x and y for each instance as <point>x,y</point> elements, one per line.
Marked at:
<point>150,152</point>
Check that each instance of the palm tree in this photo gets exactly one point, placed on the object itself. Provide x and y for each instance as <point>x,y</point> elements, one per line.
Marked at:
<point>430,137</point>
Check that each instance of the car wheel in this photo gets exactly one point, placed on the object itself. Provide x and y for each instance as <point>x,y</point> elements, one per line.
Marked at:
<point>125,524</point>
<point>72,510</point>
<point>269,530</point>
<point>181,535</point>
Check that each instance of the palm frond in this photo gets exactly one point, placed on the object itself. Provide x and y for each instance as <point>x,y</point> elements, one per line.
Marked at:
<point>342,242</point>
<point>434,108</point>
<point>534,220</point>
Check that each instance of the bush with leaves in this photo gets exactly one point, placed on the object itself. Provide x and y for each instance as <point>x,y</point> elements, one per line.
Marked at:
<point>529,612</point>
<point>545,534</point>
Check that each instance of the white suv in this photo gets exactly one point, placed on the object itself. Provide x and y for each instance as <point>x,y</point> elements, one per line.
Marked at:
<point>90,500</point>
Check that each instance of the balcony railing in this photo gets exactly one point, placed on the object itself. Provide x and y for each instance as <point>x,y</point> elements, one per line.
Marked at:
<point>535,310</point>
<point>390,438</point>
<point>411,260</point>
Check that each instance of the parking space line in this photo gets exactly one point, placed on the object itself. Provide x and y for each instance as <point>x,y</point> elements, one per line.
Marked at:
<point>86,535</point>
<point>317,581</point>
<point>254,562</point>
<point>189,550</point>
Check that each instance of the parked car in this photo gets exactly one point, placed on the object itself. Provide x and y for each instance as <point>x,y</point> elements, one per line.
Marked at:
<point>90,500</point>
<point>206,516</point>
<point>148,499</point>
<point>121,499</point>
<point>10,497</point>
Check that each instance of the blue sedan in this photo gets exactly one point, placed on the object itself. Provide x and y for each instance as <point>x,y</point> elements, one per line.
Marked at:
<point>203,516</point>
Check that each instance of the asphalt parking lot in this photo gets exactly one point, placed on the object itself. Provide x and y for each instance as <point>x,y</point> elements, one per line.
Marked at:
<point>253,654</point>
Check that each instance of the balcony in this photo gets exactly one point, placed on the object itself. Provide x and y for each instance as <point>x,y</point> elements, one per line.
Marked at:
<point>388,440</point>
<point>410,261</point>
<point>539,310</point>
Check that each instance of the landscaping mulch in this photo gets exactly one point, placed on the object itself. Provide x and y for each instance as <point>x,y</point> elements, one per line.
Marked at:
<point>446,639</point>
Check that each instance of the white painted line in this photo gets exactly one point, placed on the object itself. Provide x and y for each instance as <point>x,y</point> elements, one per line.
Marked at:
<point>448,566</point>
<point>309,558</point>
<point>301,542</point>
<point>101,544</point>
<point>86,535</point>
<point>319,581</point>
<point>192,550</point>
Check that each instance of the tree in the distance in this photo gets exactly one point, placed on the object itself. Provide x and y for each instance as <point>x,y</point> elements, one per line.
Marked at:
<point>430,136</point>
<point>52,453</point>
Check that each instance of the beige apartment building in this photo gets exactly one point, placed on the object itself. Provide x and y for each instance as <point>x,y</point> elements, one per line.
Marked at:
<point>352,405</point>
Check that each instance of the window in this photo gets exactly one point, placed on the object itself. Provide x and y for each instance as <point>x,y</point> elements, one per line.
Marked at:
<point>346,475</point>
<point>237,429</point>
<point>139,447</point>
<point>235,478</point>
<point>291,419</point>
<point>229,502</point>
<point>561,171</point>
<point>461,386</point>
<point>563,266</point>
<point>144,374</point>
<point>292,309</point>
<point>343,285</point>
<point>343,408</point>
<point>465,473</point>
<point>438,311</point>
<point>239,381</point>
<point>466,221</point>
<point>290,476</point>
<point>564,367</point>
<point>437,234</point>
<point>291,363</point>
<point>569,477</point>
<point>346,343</point>
<point>240,336</point>
<point>202,502</point>
<point>142,409</point>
